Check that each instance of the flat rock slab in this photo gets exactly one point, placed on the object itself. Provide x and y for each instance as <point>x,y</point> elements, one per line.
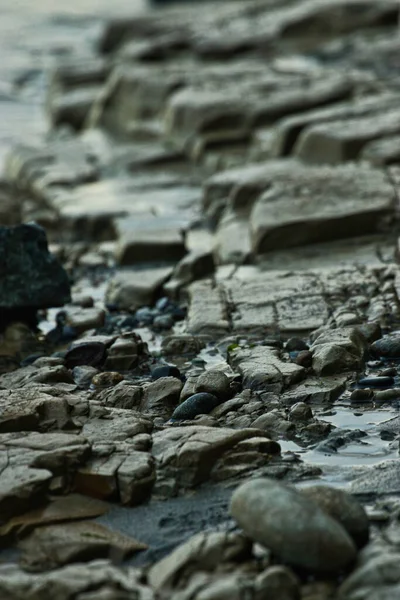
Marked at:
<point>262,367</point>
<point>131,289</point>
<point>321,204</point>
<point>30,275</point>
<point>253,302</point>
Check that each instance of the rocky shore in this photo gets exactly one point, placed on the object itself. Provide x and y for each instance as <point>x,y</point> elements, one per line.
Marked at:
<point>200,307</point>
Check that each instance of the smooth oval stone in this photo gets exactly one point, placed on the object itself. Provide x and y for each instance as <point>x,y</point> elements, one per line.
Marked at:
<point>388,347</point>
<point>87,353</point>
<point>198,404</point>
<point>344,508</point>
<point>163,322</point>
<point>361,395</point>
<point>376,382</point>
<point>213,382</point>
<point>165,371</point>
<point>292,526</point>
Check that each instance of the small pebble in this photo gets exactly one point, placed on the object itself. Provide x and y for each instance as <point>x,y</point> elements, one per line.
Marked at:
<point>198,404</point>
<point>391,372</point>
<point>304,358</point>
<point>387,395</point>
<point>30,359</point>
<point>162,304</point>
<point>146,315</point>
<point>166,371</point>
<point>374,364</point>
<point>107,379</point>
<point>163,322</point>
<point>376,382</point>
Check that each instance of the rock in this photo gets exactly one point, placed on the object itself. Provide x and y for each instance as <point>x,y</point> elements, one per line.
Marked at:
<point>189,456</point>
<point>338,350</point>
<point>286,522</point>
<point>123,395</point>
<point>387,347</point>
<point>274,424</point>
<point>161,397</point>
<point>163,322</point>
<point>320,204</point>
<point>123,355</point>
<point>300,412</point>
<point>379,578</point>
<point>304,359</point>
<point>31,276</point>
<point>107,379</point>
<point>376,382</point>
<point>150,246</point>
<point>21,489</point>
<point>360,395</point>
<point>53,546</point>
<point>77,581</point>
<point>193,266</point>
<point>202,552</point>
<point>214,382</point>
<point>344,508</point>
<point>262,368</point>
<point>343,140</point>
<point>178,345</point>
<point>277,582</point>
<point>136,476</point>
<point>82,319</point>
<point>130,290</point>
<point>90,354</point>
<point>214,320</point>
<point>166,371</point>
<point>198,404</point>
<point>295,344</point>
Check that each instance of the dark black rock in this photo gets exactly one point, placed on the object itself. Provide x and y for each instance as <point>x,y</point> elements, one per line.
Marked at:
<point>31,359</point>
<point>295,345</point>
<point>198,404</point>
<point>386,347</point>
<point>61,333</point>
<point>163,322</point>
<point>146,315</point>
<point>91,354</point>
<point>166,371</point>
<point>30,276</point>
<point>376,382</point>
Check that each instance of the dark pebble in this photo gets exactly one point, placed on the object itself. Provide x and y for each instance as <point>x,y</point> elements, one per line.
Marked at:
<point>295,344</point>
<point>31,359</point>
<point>146,315</point>
<point>304,358</point>
<point>376,382</point>
<point>92,354</point>
<point>111,307</point>
<point>387,347</point>
<point>166,371</point>
<point>361,395</point>
<point>126,322</point>
<point>198,404</point>
<point>162,304</point>
<point>391,372</point>
<point>163,322</point>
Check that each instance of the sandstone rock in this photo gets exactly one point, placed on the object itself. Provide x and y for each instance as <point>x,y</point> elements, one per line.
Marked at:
<point>185,456</point>
<point>321,204</point>
<point>75,580</point>
<point>21,488</point>
<point>262,368</point>
<point>124,395</point>
<point>130,290</point>
<point>378,578</point>
<point>150,246</point>
<point>82,319</point>
<point>136,476</point>
<point>161,397</point>
<point>285,522</point>
<point>193,266</point>
<point>215,319</point>
<point>53,546</point>
<point>341,141</point>
<point>339,350</point>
